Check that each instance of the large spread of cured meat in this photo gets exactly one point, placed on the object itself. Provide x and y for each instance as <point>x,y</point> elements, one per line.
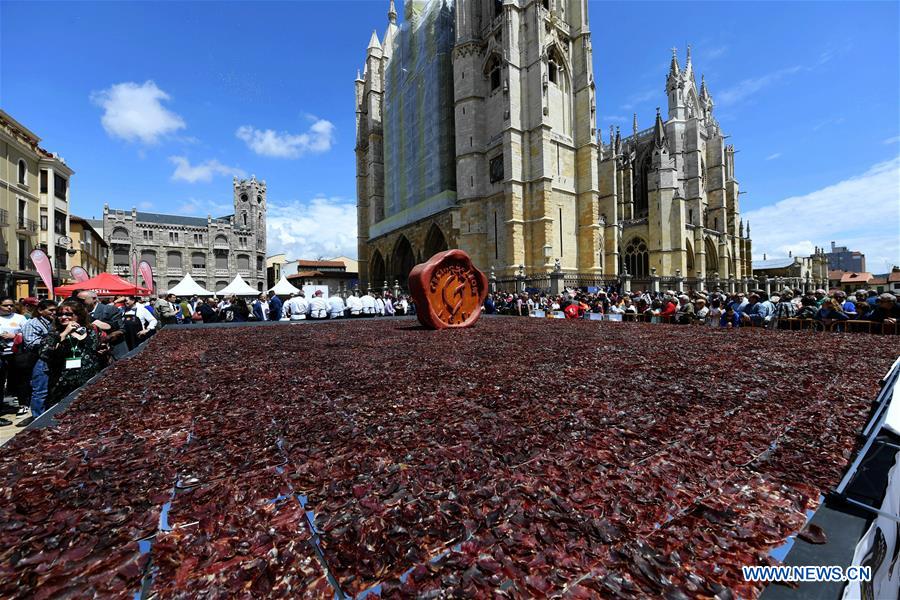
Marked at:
<point>521,457</point>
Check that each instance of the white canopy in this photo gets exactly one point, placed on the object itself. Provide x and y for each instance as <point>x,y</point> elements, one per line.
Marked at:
<point>238,287</point>
<point>187,287</point>
<point>284,287</point>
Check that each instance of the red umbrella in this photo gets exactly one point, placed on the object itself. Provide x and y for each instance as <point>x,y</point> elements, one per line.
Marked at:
<point>105,284</point>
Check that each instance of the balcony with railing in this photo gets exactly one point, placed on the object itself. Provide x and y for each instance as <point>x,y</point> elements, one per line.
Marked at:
<point>26,226</point>
<point>173,271</point>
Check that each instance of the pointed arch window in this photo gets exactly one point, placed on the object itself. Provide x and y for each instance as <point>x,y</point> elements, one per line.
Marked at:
<point>636,258</point>
<point>553,70</point>
<point>492,70</point>
<point>640,195</point>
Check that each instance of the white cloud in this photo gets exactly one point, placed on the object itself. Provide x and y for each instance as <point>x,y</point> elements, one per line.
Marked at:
<point>713,53</point>
<point>145,205</point>
<point>134,112</point>
<point>773,156</point>
<point>748,87</point>
<point>318,138</point>
<point>199,207</point>
<point>320,227</point>
<point>185,171</point>
<point>892,140</point>
<point>861,212</point>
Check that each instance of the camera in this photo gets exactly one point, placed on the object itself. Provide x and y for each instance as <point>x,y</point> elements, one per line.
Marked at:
<point>81,331</point>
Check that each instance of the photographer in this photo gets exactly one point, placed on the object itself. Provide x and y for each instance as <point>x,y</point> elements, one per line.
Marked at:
<point>70,351</point>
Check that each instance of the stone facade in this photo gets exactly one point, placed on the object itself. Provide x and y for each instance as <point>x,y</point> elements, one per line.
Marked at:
<point>534,183</point>
<point>34,209</point>
<point>212,250</point>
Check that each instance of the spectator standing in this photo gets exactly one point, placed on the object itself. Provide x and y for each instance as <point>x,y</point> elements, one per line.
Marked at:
<point>11,324</point>
<point>260,308</point>
<point>275,306</point>
<point>137,322</point>
<point>887,310</point>
<point>206,311</point>
<point>34,332</point>
<point>166,310</point>
<point>684,314</point>
<point>70,351</point>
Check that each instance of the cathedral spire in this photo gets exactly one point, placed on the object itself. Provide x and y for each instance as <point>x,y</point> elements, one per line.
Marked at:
<point>618,144</point>
<point>659,131</point>
<point>634,126</point>
<point>673,68</point>
<point>687,65</point>
<point>741,228</point>
<point>704,93</point>
<point>373,42</point>
<point>392,14</point>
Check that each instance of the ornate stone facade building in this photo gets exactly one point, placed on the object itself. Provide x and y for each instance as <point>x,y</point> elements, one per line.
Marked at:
<point>212,250</point>
<point>476,129</point>
<point>34,209</point>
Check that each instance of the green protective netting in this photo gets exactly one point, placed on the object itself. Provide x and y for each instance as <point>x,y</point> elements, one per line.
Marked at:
<point>419,146</point>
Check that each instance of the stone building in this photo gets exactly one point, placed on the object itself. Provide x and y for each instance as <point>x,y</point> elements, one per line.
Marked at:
<point>841,258</point>
<point>212,250</point>
<point>34,209</point>
<point>476,129</point>
<point>806,273</point>
<point>89,250</point>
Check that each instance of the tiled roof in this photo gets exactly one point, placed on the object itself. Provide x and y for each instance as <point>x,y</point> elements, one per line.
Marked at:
<point>837,274</point>
<point>856,277</point>
<point>320,263</point>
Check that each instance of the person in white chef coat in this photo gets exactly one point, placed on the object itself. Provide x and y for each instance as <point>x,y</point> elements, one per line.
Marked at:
<point>368,305</point>
<point>336,307</point>
<point>354,304</point>
<point>296,308</point>
<point>318,306</point>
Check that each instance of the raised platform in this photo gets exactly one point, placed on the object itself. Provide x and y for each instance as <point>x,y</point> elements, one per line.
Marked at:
<point>374,456</point>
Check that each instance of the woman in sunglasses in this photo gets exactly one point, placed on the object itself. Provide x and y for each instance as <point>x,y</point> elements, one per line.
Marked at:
<point>70,351</point>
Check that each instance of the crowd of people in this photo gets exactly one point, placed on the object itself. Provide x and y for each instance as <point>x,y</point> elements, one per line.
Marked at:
<point>717,308</point>
<point>49,349</point>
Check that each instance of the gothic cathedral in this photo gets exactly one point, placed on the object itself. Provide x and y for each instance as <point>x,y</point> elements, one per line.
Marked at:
<point>476,129</point>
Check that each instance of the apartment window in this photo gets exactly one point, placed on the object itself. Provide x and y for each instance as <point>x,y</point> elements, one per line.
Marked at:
<point>243,262</point>
<point>198,239</point>
<point>150,257</point>
<point>242,240</point>
<point>259,263</point>
<point>173,260</point>
<point>120,256</point>
<point>60,184</point>
<point>173,237</point>
<point>23,172</point>
<point>43,181</point>
<point>148,235</point>
<point>59,223</point>
<point>22,212</point>
<point>44,223</point>
<point>59,260</point>
<point>23,253</point>
<point>198,260</point>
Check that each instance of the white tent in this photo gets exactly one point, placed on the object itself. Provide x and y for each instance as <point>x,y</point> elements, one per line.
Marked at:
<point>284,287</point>
<point>187,287</point>
<point>238,287</point>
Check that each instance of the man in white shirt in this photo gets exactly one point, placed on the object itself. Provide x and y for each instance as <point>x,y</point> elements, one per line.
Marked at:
<point>368,305</point>
<point>389,306</point>
<point>318,307</point>
<point>336,307</point>
<point>10,379</point>
<point>296,308</point>
<point>354,304</point>
<point>379,306</point>
<point>138,322</point>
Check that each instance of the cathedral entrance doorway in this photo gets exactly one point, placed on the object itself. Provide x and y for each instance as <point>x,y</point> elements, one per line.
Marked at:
<point>402,261</point>
<point>434,242</point>
<point>376,271</point>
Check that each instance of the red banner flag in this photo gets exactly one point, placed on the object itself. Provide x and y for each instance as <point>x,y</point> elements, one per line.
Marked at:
<point>43,267</point>
<point>79,274</point>
<point>146,274</point>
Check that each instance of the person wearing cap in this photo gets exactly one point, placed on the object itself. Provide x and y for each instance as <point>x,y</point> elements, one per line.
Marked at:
<point>318,307</point>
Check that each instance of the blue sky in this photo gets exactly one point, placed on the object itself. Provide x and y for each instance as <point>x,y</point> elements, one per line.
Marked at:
<point>157,105</point>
